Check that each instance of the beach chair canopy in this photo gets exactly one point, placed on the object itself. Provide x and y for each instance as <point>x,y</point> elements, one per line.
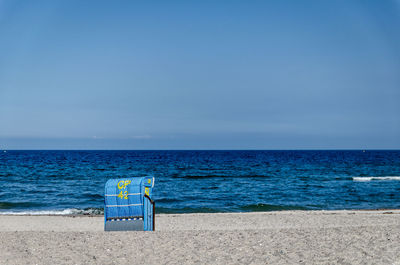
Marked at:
<point>128,204</point>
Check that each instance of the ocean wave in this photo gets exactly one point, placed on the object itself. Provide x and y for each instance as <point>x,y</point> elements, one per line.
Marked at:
<point>219,176</point>
<point>171,210</point>
<point>364,179</point>
<point>261,207</point>
<point>70,211</point>
<point>11,205</point>
<point>168,200</point>
<point>91,196</point>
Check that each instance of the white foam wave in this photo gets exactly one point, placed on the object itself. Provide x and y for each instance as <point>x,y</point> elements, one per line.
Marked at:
<point>55,212</point>
<point>363,179</point>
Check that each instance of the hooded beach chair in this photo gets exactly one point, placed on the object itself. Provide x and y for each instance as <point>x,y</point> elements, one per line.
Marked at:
<point>128,204</point>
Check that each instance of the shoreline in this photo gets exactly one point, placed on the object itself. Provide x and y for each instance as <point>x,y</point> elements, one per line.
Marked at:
<point>276,237</point>
<point>27,213</point>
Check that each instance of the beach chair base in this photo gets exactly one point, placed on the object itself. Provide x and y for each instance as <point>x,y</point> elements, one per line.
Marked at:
<point>127,225</point>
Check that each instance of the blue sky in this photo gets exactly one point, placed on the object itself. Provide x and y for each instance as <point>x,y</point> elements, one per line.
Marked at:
<point>199,74</point>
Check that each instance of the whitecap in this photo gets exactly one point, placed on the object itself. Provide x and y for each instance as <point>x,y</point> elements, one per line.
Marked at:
<point>364,179</point>
<point>71,211</point>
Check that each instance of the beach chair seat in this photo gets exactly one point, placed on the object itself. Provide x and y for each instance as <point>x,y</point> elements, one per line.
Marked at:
<point>128,204</point>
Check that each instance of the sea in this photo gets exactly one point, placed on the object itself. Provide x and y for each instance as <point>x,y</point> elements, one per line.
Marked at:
<point>72,182</point>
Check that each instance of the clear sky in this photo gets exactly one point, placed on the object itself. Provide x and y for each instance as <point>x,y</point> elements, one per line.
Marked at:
<point>200,74</point>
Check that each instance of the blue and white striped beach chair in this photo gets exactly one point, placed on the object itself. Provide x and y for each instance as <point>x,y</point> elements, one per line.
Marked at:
<point>128,204</point>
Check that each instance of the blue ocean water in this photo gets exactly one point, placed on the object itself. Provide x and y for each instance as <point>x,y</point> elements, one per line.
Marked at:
<point>202,181</point>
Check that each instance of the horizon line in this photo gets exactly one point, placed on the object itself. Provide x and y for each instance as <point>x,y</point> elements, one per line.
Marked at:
<point>330,149</point>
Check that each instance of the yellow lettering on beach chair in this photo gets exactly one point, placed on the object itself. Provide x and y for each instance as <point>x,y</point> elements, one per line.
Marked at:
<point>123,195</point>
<point>120,182</point>
<point>123,183</point>
<point>127,182</point>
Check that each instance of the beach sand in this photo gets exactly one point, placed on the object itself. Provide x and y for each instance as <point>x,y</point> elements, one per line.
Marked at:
<point>287,237</point>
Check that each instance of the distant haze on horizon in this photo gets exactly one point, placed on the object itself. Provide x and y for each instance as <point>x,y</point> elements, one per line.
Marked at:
<point>199,74</point>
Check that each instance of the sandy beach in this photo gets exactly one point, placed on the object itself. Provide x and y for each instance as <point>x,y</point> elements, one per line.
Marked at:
<point>287,237</point>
